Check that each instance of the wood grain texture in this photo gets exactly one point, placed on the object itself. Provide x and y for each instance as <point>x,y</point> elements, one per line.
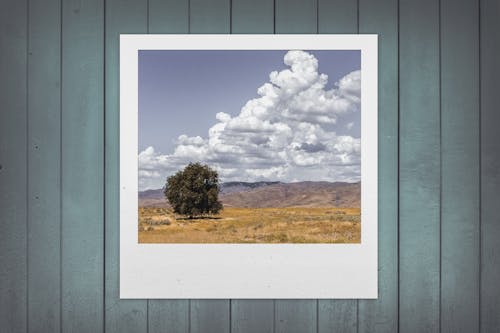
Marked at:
<point>252,315</point>
<point>419,153</point>
<point>82,166</point>
<point>168,316</point>
<point>337,16</point>
<point>249,316</point>
<point>381,17</point>
<point>337,316</point>
<point>210,316</point>
<point>252,17</point>
<point>296,316</point>
<point>295,17</point>
<point>168,17</point>
<point>13,165</point>
<point>120,315</point>
<point>44,172</point>
<point>460,165</point>
<point>210,16</point>
<point>58,192</point>
<point>490,166</point>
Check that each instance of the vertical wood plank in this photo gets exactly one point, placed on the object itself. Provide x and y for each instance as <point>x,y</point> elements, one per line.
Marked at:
<point>128,16</point>
<point>460,165</point>
<point>168,316</point>
<point>296,16</point>
<point>210,16</point>
<point>82,166</point>
<point>252,17</point>
<point>249,316</point>
<point>337,316</point>
<point>296,316</point>
<point>210,316</point>
<point>252,315</point>
<point>490,166</point>
<point>419,143</point>
<point>338,16</point>
<point>168,17</point>
<point>13,166</point>
<point>381,17</point>
<point>44,144</point>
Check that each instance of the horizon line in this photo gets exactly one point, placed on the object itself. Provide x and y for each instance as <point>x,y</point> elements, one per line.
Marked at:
<point>271,181</point>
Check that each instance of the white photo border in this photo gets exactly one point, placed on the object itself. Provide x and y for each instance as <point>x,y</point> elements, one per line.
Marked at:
<point>247,271</point>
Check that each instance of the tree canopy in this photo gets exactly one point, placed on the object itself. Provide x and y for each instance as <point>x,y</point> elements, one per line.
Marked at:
<point>194,191</point>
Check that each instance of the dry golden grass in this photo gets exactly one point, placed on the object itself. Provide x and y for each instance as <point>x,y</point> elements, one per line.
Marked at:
<point>253,225</point>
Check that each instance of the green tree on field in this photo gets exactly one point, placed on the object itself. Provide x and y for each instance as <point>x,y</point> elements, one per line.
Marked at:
<point>194,191</point>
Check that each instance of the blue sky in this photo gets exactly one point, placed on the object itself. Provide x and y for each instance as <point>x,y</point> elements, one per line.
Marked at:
<point>181,91</point>
<point>185,94</point>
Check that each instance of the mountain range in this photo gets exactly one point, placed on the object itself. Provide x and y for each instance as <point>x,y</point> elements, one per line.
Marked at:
<point>275,194</point>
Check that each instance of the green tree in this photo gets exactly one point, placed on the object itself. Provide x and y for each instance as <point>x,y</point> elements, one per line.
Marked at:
<point>194,191</point>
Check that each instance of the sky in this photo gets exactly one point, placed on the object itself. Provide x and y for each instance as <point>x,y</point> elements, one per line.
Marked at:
<point>252,115</point>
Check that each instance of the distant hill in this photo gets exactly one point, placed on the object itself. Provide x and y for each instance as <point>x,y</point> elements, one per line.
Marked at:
<point>275,194</point>
<point>301,194</point>
<point>152,198</point>
<point>233,187</point>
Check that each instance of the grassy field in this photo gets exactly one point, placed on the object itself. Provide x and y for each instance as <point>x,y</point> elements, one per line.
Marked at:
<point>253,225</point>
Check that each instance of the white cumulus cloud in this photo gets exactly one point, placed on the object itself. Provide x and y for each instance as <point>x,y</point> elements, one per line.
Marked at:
<point>284,134</point>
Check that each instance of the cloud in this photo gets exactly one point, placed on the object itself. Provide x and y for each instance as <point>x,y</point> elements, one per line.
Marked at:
<point>283,134</point>
<point>312,147</point>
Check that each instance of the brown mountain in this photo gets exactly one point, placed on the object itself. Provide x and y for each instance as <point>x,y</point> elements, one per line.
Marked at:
<point>301,194</point>
<point>275,194</point>
<point>152,198</point>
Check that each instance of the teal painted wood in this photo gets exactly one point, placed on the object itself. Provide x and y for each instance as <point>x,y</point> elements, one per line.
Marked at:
<point>44,172</point>
<point>252,17</point>
<point>460,165</point>
<point>120,315</point>
<point>490,166</point>
<point>168,316</point>
<point>210,16</point>
<point>337,315</point>
<point>252,315</point>
<point>381,315</point>
<point>296,16</point>
<point>29,148</point>
<point>82,166</point>
<point>168,16</point>
<point>13,166</point>
<point>296,316</point>
<point>339,16</point>
<point>249,316</point>
<point>419,144</point>
<point>210,316</point>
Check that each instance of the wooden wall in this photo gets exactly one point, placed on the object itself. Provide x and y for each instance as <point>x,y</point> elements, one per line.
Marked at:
<point>439,158</point>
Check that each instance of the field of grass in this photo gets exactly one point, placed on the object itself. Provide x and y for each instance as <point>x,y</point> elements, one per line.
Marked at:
<point>253,225</point>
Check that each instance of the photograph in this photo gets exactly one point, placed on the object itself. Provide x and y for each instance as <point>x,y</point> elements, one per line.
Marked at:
<point>249,146</point>
<point>248,166</point>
